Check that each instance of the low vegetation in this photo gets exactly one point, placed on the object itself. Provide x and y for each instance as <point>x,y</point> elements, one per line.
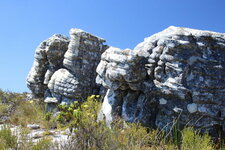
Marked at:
<point>20,141</point>
<point>27,112</point>
<point>87,132</point>
<point>7,139</point>
<point>8,103</point>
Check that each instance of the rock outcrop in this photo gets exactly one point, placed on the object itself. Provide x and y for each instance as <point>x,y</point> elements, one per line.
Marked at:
<point>64,69</point>
<point>177,73</point>
<point>48,58</point>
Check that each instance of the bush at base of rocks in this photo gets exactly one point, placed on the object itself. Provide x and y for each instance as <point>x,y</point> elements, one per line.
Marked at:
<point>89,133</point>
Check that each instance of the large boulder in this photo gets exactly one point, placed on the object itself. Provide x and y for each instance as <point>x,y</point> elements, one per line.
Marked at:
<point>48,58</point>
<point>175,74</point>
<point>64,69</point>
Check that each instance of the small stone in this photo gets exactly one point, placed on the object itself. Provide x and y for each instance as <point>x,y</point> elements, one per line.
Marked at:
<point>37,136</point>
<point>177,110</point>
<point>33,126</point>
<point>192,108</point>
<point>50,100</point>
<point>162,101</point>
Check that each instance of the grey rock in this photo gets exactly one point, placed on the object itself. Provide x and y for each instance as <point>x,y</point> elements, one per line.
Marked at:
<point>120,69</point>
<point>33,126</point>
<point>111,107</point>
<point>64,69</point>
<point>81,59</point>
<point>178,72</point>
<point>50,100</point>
<point>52,107</point>
<point>48,58</point>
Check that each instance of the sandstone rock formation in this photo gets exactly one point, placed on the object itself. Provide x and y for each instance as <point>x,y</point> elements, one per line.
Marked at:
<point>48,58</point>
<point>177,73</point>
<point>64,69</point>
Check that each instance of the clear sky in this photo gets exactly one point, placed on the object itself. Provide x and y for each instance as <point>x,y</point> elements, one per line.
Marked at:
<point>123,23</point>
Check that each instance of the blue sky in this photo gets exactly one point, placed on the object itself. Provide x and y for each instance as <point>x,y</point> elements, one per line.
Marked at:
<point>123,23</point>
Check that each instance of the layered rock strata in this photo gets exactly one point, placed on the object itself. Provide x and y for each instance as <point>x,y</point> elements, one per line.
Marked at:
<point>175,74</point>
<point>48,58</point>
<point>64,69</point>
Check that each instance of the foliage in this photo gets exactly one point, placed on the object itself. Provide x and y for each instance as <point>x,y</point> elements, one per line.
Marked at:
<point>24,142</point>
<point>72,115</point>
<point>8,102</point>
<point>87,132</point>
<point>21,141</point>
<point>7,139</point>
<point>3,109</point>
<point>28,112</point>
<point>11,97</point>
<point>42,144</point>
<point>192,140</point>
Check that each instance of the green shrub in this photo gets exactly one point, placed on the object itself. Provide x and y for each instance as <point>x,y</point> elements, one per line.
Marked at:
<point>42,144</point>
<point>29,112</point>
<point>88,133</point>
<point>11,97</point>
<point>8,102</point>
<point>192,140</point>
<point>7,139</point>
<point>3,109</point>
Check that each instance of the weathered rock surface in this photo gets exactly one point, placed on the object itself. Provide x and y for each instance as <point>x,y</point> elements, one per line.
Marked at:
<point>64,69</point>
<point>48,58</point>
<point>177,72</point>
